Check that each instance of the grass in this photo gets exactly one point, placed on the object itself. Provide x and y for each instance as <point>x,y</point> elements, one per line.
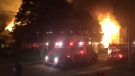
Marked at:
<point>28,56</point>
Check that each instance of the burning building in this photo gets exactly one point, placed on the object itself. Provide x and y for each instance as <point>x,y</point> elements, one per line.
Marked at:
<point>110,29</point>
<point>102,10</point>
<point>123,35</point>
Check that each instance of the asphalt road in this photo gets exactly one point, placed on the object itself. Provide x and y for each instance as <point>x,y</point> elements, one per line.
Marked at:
<point>38,69</point>
<point>43,70</point>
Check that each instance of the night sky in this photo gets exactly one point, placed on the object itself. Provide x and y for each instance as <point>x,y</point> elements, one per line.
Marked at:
<point>118,8</point>
<point>8,9</point>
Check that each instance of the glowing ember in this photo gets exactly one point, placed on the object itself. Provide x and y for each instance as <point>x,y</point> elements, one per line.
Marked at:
<point>110,28</point>
<point>10,26</point>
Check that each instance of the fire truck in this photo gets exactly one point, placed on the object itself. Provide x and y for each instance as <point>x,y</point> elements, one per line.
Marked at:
<point>64,50</point>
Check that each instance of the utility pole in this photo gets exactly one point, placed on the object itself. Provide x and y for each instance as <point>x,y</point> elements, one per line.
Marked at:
<point>129,36</point>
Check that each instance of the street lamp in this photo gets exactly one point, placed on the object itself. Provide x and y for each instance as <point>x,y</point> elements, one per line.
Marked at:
<point>38,37</point>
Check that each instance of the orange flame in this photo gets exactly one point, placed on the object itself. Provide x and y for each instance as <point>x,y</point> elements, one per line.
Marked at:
<point>10,25</point>
<point>110,28</point>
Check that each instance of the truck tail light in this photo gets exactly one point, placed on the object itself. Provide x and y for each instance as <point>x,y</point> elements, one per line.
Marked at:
<point>82,52</point>
<point>110,56</point>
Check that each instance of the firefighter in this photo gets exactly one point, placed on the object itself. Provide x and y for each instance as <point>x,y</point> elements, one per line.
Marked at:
<point>18,68</point>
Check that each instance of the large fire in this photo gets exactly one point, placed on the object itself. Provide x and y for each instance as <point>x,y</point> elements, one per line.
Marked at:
<point>110,28</point>
<point>10,25</point>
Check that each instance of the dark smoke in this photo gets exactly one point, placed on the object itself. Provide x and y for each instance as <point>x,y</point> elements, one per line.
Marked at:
<point>8,9</point>
<point>94,6</point>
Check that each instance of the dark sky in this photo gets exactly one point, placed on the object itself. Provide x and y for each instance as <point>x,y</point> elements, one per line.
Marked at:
<point>92,6</point>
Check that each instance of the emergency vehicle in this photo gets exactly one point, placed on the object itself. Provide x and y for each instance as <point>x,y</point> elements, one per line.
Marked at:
<point>118,52</point>
<point>64,50</point>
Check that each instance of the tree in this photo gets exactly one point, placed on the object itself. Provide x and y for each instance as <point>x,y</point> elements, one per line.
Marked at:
<point>95,32</point>
<point>52,15</point>
<point>88,26</point>
<point>27,12</point>
<point>40,16</point>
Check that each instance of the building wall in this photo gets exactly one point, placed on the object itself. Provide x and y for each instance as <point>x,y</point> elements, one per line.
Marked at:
<point>123,35</point>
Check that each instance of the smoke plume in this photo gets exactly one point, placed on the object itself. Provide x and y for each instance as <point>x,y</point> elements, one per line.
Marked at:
<point>94,7</point>
<point>8,9</point>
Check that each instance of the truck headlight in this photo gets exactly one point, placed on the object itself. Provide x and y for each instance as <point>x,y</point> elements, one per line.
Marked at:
<point>55,60</point>
<point>46,57</point>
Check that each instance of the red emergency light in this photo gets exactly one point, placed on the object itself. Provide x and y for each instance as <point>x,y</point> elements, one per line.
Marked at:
<point>71,43</point>
<point>68,56</point>
<point>82,52</point>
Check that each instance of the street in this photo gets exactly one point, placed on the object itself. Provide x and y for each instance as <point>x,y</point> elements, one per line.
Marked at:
<point>40,69</point>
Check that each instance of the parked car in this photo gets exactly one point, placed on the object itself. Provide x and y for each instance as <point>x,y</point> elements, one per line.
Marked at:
<point>122,54</point>
<point>119,54</point>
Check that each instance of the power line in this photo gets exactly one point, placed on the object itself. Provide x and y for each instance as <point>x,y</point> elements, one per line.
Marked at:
<point>8,12</point>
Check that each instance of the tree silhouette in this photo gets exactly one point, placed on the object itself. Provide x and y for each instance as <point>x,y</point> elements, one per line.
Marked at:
<point>51,15</point>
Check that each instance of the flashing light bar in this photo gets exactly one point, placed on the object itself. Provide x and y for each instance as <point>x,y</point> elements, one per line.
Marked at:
<point>49,32</point>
